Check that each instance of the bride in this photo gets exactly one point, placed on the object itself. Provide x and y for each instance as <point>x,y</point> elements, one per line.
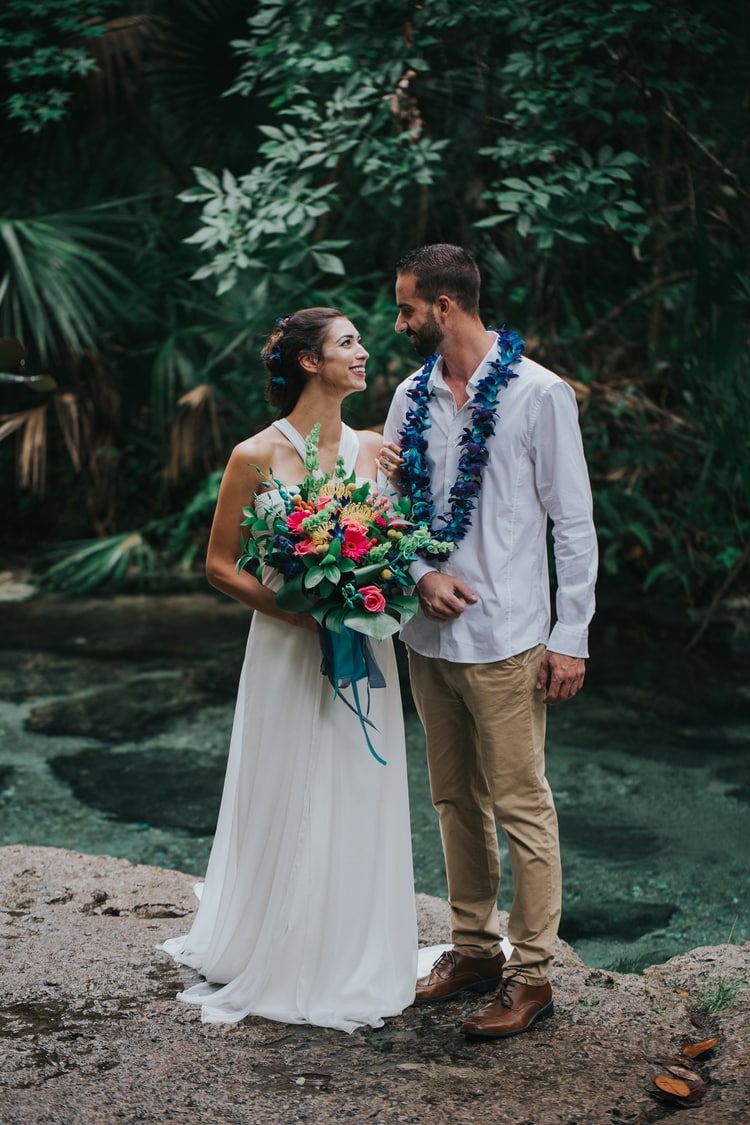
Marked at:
<point>307,913</point>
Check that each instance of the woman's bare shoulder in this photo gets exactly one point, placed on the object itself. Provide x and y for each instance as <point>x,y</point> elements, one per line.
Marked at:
<point>370,441</point>
<point>254,456</point>
<point>262,445</point>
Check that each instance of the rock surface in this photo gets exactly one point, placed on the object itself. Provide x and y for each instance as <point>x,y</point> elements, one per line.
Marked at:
<point>91,1033</point>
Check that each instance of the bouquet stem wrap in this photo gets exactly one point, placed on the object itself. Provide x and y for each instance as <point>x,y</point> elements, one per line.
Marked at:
<point>348,658</point>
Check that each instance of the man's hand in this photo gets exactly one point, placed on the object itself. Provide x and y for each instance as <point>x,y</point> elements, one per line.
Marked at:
<point>444,597</point>
<point>560,677</point>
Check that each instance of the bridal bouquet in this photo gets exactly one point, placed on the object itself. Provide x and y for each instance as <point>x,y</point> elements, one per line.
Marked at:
<point>343,548</point>
<point>344,551</point>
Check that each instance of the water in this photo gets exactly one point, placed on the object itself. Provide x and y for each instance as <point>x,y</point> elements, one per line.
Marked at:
<point>124,754</point>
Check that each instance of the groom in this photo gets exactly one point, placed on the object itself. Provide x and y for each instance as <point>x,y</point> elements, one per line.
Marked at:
<point>491,451</point>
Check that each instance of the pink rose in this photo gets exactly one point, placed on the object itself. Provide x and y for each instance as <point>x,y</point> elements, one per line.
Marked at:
<point>373,598</point>
<point>306,547</point>
<point>354,525</point>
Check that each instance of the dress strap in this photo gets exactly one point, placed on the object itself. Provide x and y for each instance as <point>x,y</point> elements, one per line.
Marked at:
<point>348,445</point>
<point>289,432</point>
<point>348,448</point>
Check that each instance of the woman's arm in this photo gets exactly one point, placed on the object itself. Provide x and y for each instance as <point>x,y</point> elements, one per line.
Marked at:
<point>241,482</point>
<point>369,447</point>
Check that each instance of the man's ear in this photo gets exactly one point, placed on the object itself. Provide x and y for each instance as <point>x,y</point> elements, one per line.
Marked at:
<point>444,304</point>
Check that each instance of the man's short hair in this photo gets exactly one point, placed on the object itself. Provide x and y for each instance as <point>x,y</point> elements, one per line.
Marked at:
<point>442,268</point>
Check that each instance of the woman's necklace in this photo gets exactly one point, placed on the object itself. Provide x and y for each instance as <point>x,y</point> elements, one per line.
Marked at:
<point>414,476</point>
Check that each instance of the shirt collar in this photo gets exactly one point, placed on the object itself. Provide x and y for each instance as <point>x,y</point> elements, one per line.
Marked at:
<point>437,382</point>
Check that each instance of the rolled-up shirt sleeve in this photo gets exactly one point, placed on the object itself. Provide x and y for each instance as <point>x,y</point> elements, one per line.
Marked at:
<point>563,487</point>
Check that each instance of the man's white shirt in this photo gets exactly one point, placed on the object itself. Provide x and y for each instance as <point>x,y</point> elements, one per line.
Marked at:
<point>536,471</point>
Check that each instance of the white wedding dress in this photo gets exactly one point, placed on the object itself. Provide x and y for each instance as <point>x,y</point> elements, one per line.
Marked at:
<point>307,913</point>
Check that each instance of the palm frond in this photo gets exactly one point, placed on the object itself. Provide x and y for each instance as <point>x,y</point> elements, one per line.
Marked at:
<point>69,419</point>
<point>100,564</point>
<point>58,286</point>
<point>31,460</point>
<point>194,431</point>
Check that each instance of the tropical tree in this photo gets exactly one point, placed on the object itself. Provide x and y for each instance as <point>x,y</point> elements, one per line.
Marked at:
<point>598,169</point>
<point>107,105</point>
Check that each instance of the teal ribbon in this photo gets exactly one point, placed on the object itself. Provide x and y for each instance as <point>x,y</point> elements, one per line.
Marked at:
<point>348,658</point>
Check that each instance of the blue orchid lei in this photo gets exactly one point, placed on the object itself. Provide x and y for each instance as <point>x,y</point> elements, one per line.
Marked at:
<point>414,477</point>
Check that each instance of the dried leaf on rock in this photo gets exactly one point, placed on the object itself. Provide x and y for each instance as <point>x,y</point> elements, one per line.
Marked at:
<point>684,1073</point>
<point>693,1050</point>
<point>674,1086</point>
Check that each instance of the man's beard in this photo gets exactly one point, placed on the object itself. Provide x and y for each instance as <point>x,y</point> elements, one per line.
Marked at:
<point>429,337</point>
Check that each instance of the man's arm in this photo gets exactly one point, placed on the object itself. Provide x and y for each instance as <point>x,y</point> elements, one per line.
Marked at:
<point>563,486</point>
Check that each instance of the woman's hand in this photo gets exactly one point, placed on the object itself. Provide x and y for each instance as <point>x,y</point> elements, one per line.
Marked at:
<point>301,621</point>
<point>390,461</point>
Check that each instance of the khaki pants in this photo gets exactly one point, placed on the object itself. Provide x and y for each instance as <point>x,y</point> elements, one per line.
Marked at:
<point>485,727</point>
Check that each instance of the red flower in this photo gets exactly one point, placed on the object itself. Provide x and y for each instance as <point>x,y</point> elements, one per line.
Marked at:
<point>373,599</point>
<point>294,520</point>
<point>356,544</point>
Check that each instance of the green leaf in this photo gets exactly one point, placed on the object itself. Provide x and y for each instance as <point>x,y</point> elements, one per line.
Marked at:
<point>359,495</point>
<point>363,573</point>
<point>329,263</point>
<point>332,619</point>
<point>406,605</point>
<point>292,598</point>
<point>272,132</point>
<point>493,220</point>
<point>375,625</point>
<point>313,577</point>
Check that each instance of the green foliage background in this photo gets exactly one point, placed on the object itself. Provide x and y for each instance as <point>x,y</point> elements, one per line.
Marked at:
<point>178,175</point>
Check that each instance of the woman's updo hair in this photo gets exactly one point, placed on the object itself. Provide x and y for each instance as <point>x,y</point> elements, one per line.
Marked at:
<point>301,334</point>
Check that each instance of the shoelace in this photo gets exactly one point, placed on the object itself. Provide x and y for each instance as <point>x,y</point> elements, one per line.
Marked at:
<point>515,976</point>
<point>447,957</point>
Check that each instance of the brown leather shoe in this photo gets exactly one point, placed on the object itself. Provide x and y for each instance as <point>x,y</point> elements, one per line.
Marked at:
<point>516,1008</point>
<point>454,973</point>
